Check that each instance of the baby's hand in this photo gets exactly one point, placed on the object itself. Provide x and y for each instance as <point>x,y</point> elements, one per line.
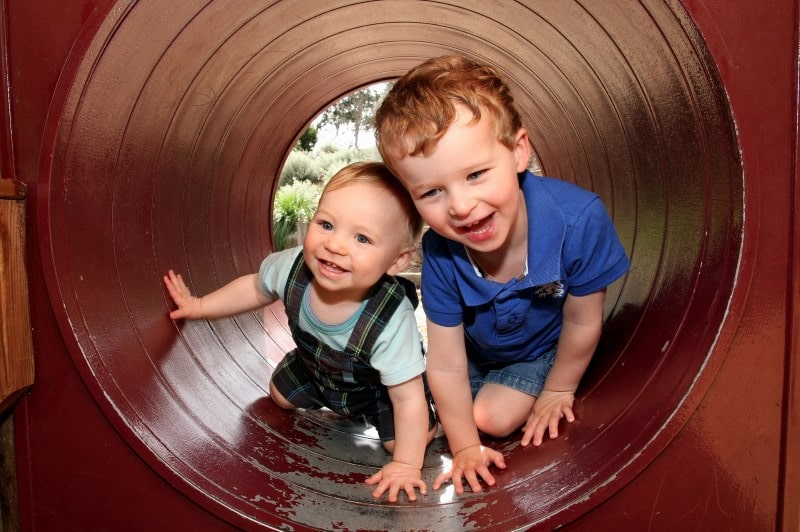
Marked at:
<point>547,412</point>
<point>469,463</point>
<point>188,306</point>
<point>396,476</point>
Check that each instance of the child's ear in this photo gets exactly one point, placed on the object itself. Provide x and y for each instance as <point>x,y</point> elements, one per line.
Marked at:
<point>402,260</point>
<point>522,150</point>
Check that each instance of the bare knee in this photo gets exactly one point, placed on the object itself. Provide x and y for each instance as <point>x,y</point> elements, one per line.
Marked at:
<point>494,423</point>
<point>279,399</point>
<point>501,411</point>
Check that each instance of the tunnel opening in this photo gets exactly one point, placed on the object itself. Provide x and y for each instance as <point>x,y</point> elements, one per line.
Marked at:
<point>166,150</point>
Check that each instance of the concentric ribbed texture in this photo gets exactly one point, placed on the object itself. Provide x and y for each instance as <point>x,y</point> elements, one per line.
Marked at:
<point>174,128</point>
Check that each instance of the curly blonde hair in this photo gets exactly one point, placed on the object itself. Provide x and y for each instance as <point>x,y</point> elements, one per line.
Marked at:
<point>422,105</point>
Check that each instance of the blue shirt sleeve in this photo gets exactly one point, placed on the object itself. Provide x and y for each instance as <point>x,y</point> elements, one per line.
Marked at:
<point>593,256</point>
<point>440,297</point>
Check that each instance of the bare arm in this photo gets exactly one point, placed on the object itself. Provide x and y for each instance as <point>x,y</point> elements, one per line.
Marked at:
<point>404,472</point>
<point>240,295</point>
<point>448,377</point>
<point>580,332</point>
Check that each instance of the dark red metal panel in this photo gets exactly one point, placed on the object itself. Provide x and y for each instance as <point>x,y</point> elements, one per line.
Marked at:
<point>152,134</point>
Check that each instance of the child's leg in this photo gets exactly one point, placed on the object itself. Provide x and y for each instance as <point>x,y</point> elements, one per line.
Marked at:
<point>500,410</point>
<point>279,399</point>
<point>505,395</point>
<point>291,380</point>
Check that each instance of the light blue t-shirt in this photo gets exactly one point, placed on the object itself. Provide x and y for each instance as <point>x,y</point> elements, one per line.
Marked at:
<point>572,248</point>
<point>397,354</point>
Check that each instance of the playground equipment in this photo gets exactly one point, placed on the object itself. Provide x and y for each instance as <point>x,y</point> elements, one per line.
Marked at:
<point>150,135</point>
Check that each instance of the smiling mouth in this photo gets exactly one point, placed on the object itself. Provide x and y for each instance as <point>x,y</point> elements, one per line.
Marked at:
<point>480,228</point>
<point>331,267</point>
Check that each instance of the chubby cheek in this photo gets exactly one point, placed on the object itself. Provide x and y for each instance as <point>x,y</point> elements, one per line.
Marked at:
<point>433,216</point>
<point>308,252</point>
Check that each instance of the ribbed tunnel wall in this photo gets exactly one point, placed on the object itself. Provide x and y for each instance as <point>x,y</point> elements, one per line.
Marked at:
<point>172,125</point>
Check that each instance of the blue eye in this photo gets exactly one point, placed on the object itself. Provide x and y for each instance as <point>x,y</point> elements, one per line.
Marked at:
<point>430,193</point>
<point>326,225</point>
<point>361,239</point>
<point>476,175</point>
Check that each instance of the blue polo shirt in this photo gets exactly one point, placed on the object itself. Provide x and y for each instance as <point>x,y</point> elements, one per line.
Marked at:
<point>572,248</point>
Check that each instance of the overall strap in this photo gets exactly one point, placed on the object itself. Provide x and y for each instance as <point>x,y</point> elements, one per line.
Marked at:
<point>382,304</point>
<point>299,277</point>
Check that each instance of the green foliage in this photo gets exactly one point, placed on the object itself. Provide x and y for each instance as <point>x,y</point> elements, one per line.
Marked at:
<point>357,108</point>
<point>293,203</point>
<point>328,148</point>
<point>308,166</point>
<point>332,161</point>
<point>300,166</point>
<point>307,140</point>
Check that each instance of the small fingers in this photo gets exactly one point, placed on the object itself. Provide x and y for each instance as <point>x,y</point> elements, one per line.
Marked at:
<point>380,490</point>
<point>487,477</point>
<point>393,491</point>
<point>410,487</point>
<point>383,485</point>
<point>527,432</point>
<point>499,460</point>
<point>472,479</point>
<point>538,432</point>
<point>458,480</point>
<point>569,414</point>
<point>441,479</point>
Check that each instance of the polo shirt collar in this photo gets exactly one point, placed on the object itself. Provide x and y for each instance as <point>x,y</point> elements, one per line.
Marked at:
<point>547,228</point>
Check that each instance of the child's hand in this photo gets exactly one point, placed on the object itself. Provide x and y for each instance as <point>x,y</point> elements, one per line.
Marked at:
<point>396,476</point>
<point>188,306</point>
<point>470,463</point>
<point>547,412</point>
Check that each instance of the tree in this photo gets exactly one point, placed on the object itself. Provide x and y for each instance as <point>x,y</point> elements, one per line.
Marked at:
<point>307,140</point>
<point>357,108</point>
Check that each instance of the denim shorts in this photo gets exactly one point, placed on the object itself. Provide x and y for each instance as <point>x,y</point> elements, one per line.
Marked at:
<point>526,377</point>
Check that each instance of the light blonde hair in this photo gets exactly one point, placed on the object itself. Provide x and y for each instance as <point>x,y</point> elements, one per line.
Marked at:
<point>422,105</point>
<point>378,174</point>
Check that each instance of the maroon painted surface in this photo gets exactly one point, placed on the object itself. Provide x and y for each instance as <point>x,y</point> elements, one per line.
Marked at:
<point>148,146</point>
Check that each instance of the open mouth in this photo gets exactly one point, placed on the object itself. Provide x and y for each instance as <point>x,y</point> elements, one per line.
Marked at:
<point>480,230</point>
<point>331,267</point>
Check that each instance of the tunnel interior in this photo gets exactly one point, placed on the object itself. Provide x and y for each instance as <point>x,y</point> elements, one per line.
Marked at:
<point>167,133</point>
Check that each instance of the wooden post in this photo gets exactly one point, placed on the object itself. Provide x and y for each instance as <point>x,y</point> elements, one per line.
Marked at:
<point>16,342</point>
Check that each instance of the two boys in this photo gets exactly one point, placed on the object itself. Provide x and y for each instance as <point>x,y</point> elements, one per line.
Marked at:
<point>514,274</point>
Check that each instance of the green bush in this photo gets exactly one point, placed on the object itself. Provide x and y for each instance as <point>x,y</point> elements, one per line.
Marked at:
<point>300,186</point>
<point>300,166</point>
<point>328,148</point>
<point>307,140</point>
<point>331,162</point>
<point>293,203</point>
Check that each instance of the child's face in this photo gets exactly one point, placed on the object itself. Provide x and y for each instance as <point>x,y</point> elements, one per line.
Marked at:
<point>467,189</point>
<point>357,234</point>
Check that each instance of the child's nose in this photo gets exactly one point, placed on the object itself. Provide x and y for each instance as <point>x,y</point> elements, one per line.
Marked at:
<point>335,243</point>
<point>461,205</point>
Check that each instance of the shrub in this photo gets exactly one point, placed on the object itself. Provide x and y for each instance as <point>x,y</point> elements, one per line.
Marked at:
<point>331,162</point>
<point>328,148</point>
<point>300,167</point>
<point>293,203</point>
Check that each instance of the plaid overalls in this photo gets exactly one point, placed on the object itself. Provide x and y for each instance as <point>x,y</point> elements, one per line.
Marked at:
<point>315,375</point>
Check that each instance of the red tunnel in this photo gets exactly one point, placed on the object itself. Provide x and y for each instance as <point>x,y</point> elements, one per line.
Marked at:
<point>150,135</point>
